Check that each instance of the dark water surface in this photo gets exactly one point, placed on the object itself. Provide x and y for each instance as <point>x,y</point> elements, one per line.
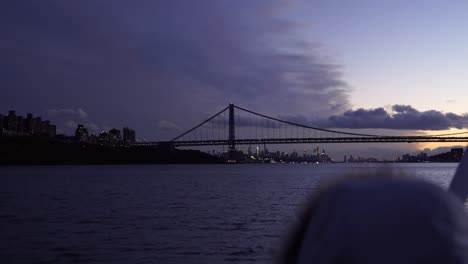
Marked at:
<point>162,214</point>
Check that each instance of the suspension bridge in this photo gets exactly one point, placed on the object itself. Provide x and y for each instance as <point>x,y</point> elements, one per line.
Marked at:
<point>235,125</point>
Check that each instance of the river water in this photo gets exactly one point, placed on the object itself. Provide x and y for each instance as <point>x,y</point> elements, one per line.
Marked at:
<point>164,213</point>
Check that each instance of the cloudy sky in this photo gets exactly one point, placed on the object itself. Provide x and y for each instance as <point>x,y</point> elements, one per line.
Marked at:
<point>163,66</point>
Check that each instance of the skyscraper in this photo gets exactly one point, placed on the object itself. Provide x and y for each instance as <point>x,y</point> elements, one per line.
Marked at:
<point>28,124</point>
<point>1,122</point>
<point>37,121</point>
<point>11,121</point>
<point>45,127</point>
<point>128,135</point>
<point>16,124</point>
<point>115,136</point>
<point>19,124</point>
<point>52,131</point>
<point>81,133</point>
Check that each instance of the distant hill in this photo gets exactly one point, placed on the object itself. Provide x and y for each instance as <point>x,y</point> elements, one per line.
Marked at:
<point>440,150</point>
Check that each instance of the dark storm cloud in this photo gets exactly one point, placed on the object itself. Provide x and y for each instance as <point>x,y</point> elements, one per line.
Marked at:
<point>400,117</point>
<point>153,62</point>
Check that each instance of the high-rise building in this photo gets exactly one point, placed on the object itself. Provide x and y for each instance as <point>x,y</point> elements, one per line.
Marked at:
<point>115,136</point>
<point>115,133</point>
<point>1,122</point>
<point>52,131</point>
<point>103,138</point>
<point>45,127</point>
<point>81,133</point>
<point>457,153</point>
<point>93,139</point>
<point>125,134</point>
<point>128,135</point>
<point>37,121</point>
<point>28,124</point>
<point>19,124</point>
<point>15,124</point>
<point>11,121</point>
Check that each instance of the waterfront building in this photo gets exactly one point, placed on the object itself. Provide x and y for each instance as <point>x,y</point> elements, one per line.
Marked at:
<point>81,133</point>
<point>115,136</point>
<point>93,139</point>
<point>128,135</point>
<point>19,124</point>
<point>11,121</point>
<point>52,131</point>
<point>45,127</point>
<point>457,153</point>
<point>37,125</point>
<point>1,123</point>
<point>16,124</point>
<point>28,125</point>
<point>103,138</point>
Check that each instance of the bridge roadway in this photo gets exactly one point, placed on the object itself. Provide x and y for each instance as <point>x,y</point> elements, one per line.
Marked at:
<point>382,139</point>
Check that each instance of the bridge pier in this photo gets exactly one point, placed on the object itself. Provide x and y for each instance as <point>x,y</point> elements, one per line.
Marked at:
<point>232,136</point>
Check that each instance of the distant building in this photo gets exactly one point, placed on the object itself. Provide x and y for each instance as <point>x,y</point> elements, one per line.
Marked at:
<point>93,139</point>
<point>11,121</point>
<point>28,124</point>
<point>422,157</point>
<point>114,136</point>
<point>15,124</point>
<point>37,121</point>
<point>52,131</point>
<point>457,153</point>
<point>1,123</point>
<point>45,127</point>
<point>115,133</point>
<point>19,124</point>
<point>406,158</point>
<point>128,135</point>
<point>81,133</point>
<point>103,138</point>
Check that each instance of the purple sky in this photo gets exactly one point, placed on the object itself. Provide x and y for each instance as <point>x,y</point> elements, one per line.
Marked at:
<point>163,66</point>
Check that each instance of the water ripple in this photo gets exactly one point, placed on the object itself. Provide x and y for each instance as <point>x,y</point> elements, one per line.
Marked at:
<point>160,214</point>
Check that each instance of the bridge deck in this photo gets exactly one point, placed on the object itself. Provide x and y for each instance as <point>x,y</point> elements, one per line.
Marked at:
<point>419,139</point>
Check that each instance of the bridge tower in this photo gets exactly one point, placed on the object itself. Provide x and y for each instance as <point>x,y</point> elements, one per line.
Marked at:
<point>232,133</point>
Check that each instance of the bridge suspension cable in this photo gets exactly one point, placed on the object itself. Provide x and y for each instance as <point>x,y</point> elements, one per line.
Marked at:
<point>199,125</point>
<point>305,126</point>
<point>229,128</point>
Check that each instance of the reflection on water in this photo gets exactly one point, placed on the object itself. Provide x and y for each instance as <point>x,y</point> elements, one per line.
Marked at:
<point>162,214</point>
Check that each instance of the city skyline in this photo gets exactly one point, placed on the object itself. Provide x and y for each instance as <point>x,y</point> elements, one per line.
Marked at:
<point>14,124</point>
<point>166,66</point>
